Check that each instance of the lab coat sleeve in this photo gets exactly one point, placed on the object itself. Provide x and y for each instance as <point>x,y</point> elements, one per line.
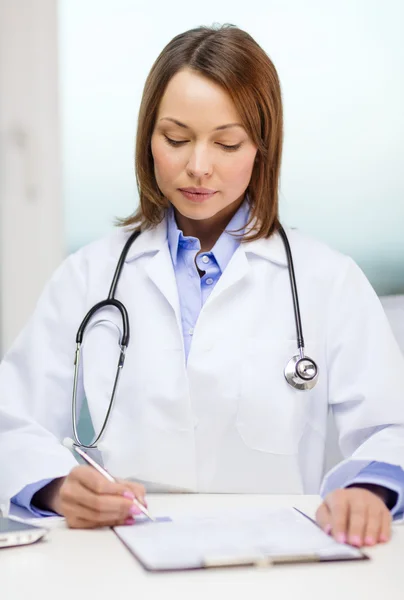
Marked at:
<point>365,372</point>
<point>24,499</point>
<point>36,378</point>
<point>386,475</point>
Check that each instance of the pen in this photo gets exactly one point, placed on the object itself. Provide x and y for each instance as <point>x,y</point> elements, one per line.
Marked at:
<point>68,442</point>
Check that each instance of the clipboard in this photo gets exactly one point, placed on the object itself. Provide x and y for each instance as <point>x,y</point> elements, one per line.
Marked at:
<point>260,538</point>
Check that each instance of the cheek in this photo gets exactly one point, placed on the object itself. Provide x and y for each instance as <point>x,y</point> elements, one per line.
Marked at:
<point>238,172</point>
<point>166,163</point>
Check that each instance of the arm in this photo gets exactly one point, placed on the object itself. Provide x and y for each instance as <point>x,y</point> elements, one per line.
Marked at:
<point>31,497</point>
<point>364,367</point>
<point>385,480</point>
<point>36,385</point>
<point>36,379</point>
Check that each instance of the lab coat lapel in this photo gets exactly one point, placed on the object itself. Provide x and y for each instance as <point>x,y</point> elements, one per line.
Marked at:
<point>235,271</point>
<point>152,244</point>
<point>271,249</point>
<point>161,271</point>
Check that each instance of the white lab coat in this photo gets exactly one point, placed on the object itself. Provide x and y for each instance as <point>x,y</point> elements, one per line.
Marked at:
<point>227,421</point>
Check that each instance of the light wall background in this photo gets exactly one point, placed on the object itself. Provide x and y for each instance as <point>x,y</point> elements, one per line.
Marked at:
<point>341,68</point>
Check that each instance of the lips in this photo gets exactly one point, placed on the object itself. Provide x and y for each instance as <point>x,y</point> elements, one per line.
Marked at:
<point>197,196</point>
<point>197,190</point>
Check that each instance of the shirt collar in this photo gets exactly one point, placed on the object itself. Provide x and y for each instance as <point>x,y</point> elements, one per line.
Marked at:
<point>152,240</point>
<point>224,247</point>
<point>173,234</point>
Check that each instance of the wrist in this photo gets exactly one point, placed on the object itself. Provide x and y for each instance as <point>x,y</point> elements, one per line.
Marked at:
<point>47,498</point>
<point>389,497</point>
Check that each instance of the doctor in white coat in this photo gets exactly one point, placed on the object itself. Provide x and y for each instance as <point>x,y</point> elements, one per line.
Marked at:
<point>203,403</point>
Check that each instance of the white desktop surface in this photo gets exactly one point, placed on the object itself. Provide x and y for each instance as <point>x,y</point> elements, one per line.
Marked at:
<point>95,565</point>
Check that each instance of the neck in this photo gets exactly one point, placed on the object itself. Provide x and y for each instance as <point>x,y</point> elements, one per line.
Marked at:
<point>209,230</point>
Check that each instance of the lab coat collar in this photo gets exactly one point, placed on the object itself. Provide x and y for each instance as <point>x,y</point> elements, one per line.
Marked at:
<point>150,241</point>
<point>153,240</point>
<point>271,249</point>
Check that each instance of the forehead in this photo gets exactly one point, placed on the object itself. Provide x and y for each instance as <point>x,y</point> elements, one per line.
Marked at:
<point>195,99</point>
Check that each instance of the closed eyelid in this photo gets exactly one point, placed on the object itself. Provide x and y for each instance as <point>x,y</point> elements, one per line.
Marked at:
<point>179,138</point>
<point>171,130</point>
<point>221,143</point>
<point>225,147</point>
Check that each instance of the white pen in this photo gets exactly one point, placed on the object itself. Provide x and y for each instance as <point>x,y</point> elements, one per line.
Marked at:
<point>69,443</point>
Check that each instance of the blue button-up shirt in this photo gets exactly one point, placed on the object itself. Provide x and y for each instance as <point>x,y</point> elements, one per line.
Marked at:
<point>193,290</point>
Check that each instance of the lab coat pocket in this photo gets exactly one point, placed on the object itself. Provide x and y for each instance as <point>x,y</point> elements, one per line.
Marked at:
<point>271,414</point>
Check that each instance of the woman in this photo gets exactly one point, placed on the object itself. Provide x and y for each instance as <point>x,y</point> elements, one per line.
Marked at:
<point>203,403</point>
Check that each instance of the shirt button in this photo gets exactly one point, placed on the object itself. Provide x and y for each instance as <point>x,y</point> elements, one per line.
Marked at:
<point>205,259</point>
<point>209,281</point>
<point>191,331</point>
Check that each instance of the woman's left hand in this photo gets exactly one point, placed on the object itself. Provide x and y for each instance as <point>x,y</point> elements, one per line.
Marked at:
<point>356,516</point>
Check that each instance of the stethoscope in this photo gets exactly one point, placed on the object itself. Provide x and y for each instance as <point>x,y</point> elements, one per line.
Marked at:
<point>301,372</point>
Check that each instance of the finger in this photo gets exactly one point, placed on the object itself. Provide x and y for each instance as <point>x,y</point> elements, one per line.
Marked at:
<point>323,518</point>
<point>74,494</point>
<point>76,522</point>
<point>385,529</point>
<point>374,523</point>
<point>337,503</point>
<point>358,516</point>
<point>95,482</point>
<point>137,489</point>
<point>95,515</point>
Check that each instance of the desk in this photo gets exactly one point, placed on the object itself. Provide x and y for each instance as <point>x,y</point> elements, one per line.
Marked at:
<point>94,565</point>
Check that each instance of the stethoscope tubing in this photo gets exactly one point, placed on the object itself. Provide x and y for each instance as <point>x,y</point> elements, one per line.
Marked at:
<point>124,341</point>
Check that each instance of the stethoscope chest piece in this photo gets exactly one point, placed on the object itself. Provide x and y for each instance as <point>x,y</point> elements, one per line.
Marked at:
<point>301,372</point>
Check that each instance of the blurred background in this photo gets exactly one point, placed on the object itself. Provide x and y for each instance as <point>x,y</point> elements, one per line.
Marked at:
<point>71,79</point>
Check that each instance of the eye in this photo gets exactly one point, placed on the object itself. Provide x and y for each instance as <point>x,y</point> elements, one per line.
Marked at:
<point>177,143</point>
<point>174,142</point>
<point>230,148</point>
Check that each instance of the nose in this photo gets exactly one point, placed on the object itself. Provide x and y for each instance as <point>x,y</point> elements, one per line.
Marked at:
<point>199,163</point>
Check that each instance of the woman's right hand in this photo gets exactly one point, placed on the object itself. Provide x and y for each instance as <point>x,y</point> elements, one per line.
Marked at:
<point>87,500</point>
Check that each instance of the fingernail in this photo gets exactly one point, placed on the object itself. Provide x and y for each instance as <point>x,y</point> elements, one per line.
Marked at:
<point>383,538</point>
<point>327,529</point>
<point>369,541</point>
<point>135,510</point>
<point>341,538</point>
<point>355,540</point>
<point>129,521</point>
<point>128,495</point>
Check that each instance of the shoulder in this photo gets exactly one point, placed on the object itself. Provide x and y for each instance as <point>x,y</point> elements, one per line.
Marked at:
<point>90,265</point>
<point>317,257</point>
<point>100,252</point>
<point>321,266</point>
<point>309,255</point>
<point>302,241</point>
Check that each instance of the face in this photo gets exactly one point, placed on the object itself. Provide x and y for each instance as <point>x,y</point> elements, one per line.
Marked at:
<point>199,142</point>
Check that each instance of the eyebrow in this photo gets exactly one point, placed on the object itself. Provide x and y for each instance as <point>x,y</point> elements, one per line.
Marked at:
<point>187,127</point>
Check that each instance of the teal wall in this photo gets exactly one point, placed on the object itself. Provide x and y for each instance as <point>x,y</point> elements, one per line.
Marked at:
<point>340,66</point>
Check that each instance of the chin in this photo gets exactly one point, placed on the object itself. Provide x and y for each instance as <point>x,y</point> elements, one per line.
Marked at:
<point>198,212</point>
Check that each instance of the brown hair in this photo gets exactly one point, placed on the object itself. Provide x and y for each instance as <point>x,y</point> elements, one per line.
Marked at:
<point>230,57</point>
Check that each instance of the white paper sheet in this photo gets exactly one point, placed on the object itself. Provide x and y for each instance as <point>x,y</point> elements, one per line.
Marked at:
<point>189,541</point>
